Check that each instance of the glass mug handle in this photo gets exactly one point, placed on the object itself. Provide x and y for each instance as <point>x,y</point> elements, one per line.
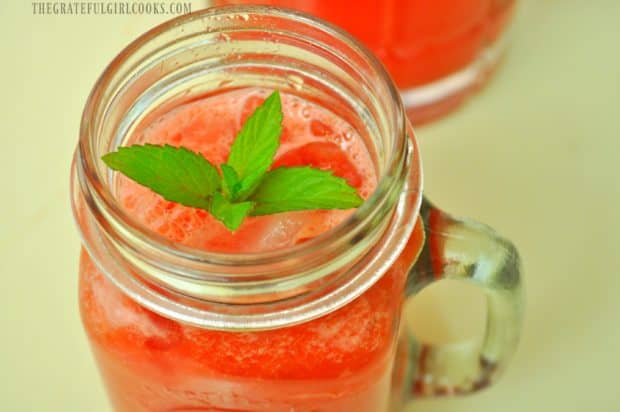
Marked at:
<point>472,252</point>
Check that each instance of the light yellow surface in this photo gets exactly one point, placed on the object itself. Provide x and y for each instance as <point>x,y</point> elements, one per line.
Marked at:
<point>535,156</point>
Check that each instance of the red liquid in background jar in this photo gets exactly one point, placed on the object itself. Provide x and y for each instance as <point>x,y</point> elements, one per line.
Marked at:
<point>340,362</point>
<point>419,41</point>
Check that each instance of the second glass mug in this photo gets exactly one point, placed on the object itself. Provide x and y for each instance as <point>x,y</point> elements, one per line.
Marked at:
<point>314,327</point>
<point>437,51</point>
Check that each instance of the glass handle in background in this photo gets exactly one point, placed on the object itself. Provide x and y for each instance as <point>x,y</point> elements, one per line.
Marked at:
<point>471,252</point>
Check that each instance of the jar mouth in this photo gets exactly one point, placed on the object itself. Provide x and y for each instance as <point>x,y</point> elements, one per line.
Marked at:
<point>307,278</point>
<point>380,196</point>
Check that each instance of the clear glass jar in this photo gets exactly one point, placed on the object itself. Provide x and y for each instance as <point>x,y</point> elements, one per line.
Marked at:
<point>315,327</point>
<point>438,52</point>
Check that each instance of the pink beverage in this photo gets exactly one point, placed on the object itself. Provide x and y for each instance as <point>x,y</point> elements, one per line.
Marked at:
<point>340,362</point>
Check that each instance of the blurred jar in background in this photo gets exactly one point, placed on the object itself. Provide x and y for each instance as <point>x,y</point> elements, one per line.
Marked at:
<point>437,51</point>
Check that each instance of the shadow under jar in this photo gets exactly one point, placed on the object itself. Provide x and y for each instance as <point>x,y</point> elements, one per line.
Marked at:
<point>438,52</point>
<point>313,326</point>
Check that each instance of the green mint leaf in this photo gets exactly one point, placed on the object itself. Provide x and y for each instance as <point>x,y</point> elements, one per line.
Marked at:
<point>176,173</point>
<point>230,182</point>
<point>230,214</point>
<point>253,150</point>
<point>302,188</point>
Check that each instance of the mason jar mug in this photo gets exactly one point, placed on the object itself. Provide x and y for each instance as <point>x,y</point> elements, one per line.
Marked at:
<point>313,325</point>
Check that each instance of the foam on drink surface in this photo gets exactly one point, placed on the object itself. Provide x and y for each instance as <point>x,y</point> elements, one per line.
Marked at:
<point>209,126</point>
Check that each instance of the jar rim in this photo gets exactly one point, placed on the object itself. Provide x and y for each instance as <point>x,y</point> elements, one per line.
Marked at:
<point>123,229</point>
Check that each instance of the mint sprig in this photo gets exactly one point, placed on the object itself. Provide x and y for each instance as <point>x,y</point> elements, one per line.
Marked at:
<point>246,186</point>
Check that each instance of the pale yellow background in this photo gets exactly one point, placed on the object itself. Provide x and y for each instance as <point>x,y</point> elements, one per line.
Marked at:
<point>535,155</point>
